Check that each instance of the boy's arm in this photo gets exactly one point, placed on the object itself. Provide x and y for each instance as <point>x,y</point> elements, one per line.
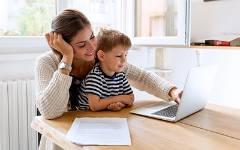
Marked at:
<point>129,94</point>
<point>116,106</point>
<point>131,98</point>
<point>97,104</point>
<point>128,90</point>
<point>119,105</point>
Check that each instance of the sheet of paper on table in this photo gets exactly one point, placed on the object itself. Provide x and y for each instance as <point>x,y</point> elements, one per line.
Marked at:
<point>99,131</point>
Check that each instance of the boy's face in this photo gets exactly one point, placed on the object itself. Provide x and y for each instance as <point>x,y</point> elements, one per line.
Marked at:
<point>116,59</point>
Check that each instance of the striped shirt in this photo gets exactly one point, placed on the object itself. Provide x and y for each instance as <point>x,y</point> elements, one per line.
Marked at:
<point>102,85</point>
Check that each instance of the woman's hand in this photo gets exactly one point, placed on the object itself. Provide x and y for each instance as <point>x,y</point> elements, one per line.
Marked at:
<point>175,94</point>
<point>116,106</point>
<point>56,41</point>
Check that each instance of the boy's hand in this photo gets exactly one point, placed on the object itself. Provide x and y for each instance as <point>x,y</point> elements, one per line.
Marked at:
<point>116,106</point>
<point>127,99</point>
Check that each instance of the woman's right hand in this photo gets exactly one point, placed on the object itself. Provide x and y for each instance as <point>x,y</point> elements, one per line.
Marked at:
<point>56,41</point>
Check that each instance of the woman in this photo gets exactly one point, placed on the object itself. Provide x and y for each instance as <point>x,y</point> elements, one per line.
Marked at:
<point>73,56</point>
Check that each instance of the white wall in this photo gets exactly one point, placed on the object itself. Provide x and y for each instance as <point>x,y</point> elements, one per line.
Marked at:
<point>226,86</point>
<point>181,60</point>
<point>17,66</point>
<point>219,20</point>
<point>214,19</point>
<point>227,83</point>
<point>17,101</point>
<point>143,58</point>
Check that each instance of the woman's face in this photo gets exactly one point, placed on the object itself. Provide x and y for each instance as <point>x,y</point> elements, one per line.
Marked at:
<point>84,44</point>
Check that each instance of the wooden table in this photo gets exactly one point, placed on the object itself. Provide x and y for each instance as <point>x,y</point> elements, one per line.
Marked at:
<point>212,128</point>
<point>218,119</point>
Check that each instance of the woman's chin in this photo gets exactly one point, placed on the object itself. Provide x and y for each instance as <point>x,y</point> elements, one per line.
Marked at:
<point>89,58</point>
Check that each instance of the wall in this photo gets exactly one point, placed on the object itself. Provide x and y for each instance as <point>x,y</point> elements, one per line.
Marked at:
<point>17,90</point>
<point>215,19</point>
<point>180,60</point>
<point>226,85</point>
<point>219,21</point>
<point>17,66</point>
<point>143,58</point>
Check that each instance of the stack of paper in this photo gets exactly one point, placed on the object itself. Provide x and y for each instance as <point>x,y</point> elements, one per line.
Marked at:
<point>99,131</point>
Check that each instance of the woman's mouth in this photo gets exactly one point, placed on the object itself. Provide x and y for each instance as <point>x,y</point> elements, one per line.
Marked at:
<point>89,54</point>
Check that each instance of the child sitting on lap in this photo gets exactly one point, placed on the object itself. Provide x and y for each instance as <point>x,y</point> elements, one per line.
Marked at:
<point>106,86</point>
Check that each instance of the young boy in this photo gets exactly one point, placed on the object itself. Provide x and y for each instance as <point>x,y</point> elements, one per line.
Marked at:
<point>106,86</point>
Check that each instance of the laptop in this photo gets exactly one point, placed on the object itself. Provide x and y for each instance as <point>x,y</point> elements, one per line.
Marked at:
<point>197,88</point>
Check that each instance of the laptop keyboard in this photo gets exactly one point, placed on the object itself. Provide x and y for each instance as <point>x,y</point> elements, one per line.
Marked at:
<point>170,111</point>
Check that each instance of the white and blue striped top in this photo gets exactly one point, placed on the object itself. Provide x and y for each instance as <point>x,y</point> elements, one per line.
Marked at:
<point>98,83</point>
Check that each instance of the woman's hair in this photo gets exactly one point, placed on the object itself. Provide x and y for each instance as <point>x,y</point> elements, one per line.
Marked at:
<point>109,38</point>
<point>68,23</point>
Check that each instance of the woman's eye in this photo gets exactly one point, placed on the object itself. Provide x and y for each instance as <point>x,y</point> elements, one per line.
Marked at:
<point>92,37</point>
<point>81,46</point>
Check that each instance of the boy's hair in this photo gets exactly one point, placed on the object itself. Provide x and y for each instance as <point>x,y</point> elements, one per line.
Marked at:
<point>109,38</point>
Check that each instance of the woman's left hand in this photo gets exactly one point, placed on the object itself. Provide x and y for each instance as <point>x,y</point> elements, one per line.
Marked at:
<point>175,94</point>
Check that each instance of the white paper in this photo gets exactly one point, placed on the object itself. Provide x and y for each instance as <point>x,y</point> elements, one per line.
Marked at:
<point>99,131</point>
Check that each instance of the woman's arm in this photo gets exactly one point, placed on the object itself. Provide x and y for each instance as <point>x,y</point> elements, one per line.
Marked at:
<point>52,87</point>
<point>149,82</point>
<point>97,104</point>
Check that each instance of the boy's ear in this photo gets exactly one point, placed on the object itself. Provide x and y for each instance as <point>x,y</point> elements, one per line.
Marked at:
<point>100,55</point>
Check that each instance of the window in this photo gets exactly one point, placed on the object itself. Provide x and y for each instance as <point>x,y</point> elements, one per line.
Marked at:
<point>156,18</point>
<point>23,24</point>
<point>158,22</point>
<point>26,17</point>
<point>100,12</point>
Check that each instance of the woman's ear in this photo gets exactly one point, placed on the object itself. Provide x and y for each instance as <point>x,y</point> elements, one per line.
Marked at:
<point>100,55</point>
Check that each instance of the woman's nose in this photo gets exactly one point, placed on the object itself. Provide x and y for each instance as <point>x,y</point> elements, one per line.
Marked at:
<point>91,45</point>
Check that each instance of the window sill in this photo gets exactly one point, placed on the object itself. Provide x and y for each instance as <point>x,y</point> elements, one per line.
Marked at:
<point>23,44</point>
<point>216,47</point>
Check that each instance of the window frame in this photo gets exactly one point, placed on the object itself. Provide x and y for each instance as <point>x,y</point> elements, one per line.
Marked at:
<point>62,4</point>
<point>35,44</point>
<point>24,44</point>
<point>27,44</point>
<point>183,39</point>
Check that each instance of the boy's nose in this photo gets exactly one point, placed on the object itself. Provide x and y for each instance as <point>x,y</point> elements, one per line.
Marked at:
<point>124,59</point>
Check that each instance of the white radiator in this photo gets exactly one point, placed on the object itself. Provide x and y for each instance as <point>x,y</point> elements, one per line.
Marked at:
<point>17,108</point>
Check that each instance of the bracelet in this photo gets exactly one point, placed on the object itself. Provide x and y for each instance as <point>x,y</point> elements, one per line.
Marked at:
<point>63,65</point>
